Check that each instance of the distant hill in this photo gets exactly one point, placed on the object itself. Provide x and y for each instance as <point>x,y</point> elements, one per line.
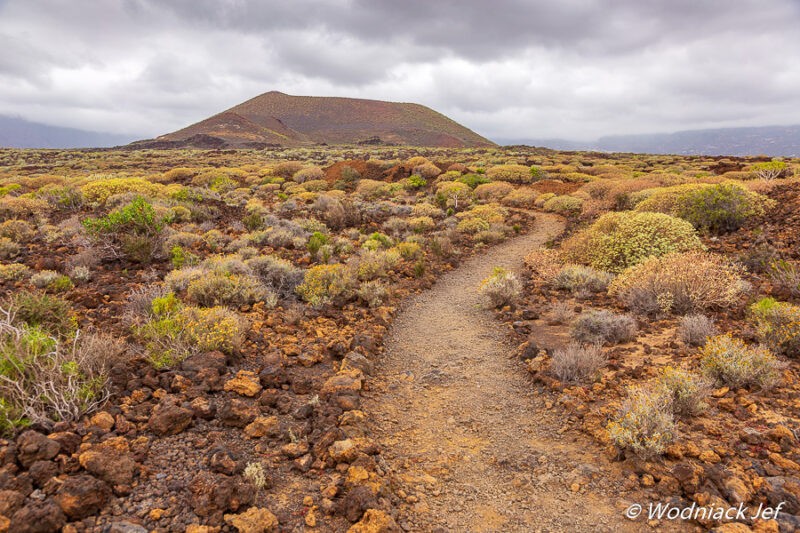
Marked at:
<point>275,118</point>
<point>772,141</point>
<point>20,133</point>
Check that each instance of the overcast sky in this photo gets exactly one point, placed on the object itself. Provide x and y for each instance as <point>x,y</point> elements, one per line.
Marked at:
<point>574,69</point>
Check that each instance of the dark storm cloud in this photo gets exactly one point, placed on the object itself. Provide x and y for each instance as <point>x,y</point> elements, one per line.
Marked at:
<point>513,68</point>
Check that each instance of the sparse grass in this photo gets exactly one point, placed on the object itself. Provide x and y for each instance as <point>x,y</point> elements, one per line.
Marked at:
<point>577,362</point>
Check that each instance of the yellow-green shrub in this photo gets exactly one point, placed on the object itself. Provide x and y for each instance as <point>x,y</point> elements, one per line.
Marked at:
<point>493,191</point>
<point>778,325</point>
<point>731,362</point>
<point>511,173</point>
<point>421,224</point>
<point>645,424</point>
<point>617,241</point>
<point>322,284</point>
<point>521,197</point>
<point>563,205</point>
<point>98,191</point>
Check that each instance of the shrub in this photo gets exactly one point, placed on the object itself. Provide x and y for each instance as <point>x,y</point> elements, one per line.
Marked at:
<point>685,390</point>
<point>561,313</point>
<point>17,230</point>
<point>8,248</point>
<point>718,208</point>
<point>731,362</point>
<point>617,241</point>
<point>577,363</point>
<point>421,224</point>
<point>415,181</point>
<point>645,424</point>
<point>278,274</point>
<point>453,194</point>
<point>785,276</point>
<point>510,173</point>
<point>426,210</point>
<point>13,271</point>
<point>373,293</point>
<point>52,314</point>
<point>371,264</point>
<point>603,326</point>
<point>695,329</point>
<point>473,180</point>
<point>215,328</point>
<point>100,190</point>
<point>308,174</point>
<point>52,281</point>
<point>680,284</point>
<point>520,198</point>
<point>373,189</point>
<point>216,288</point>
<point>563,205</point>
<point>322,284</point>
<point>778,325</point>
<point>179,280</point>
<point>501,288</point>
<point>132,228</point>
<point>581,279</point>
<point>316,241</point>
<point>409,250</point>
<point>545,263</point>
<point>471,226</point>
<point>768,170</point>
<point>426,170</point>
<point>44,380</point>
<point>493,191</point>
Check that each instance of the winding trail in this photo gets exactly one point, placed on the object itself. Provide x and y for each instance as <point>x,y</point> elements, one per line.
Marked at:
<point>470,445</point>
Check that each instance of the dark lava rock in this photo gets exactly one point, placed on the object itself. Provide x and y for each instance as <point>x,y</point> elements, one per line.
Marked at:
<point>32,446</point>
<point>215,494</point>
<point>237,413</point>
<point>169,419</point>
<point>39,516</point>
<point>81,496</point>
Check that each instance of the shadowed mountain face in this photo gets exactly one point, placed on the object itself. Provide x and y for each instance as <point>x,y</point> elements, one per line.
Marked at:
<point>280,119</point>
<point>771,141</point>
<point>20,133</point>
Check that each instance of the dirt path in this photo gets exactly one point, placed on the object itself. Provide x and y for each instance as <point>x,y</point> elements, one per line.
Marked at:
<point>471,445</point>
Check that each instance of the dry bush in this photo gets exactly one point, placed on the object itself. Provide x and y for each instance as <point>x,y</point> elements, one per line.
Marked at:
<point>278,274</point>
<point>577,362</point>
<point>603,326</point>
<point>216,289</point>
<point>686,391</point>
<point>510,173</point>
<point>545,263</point>
<point>695,329</point>
<point>494,191</point>
<point>308,174</point>
<point>778,325</point>
<point>645,424</point>
<point>581,279</point>
<point>501,288</point>
<point>680,283</point>
<point>43,380</point>
<point>426,170</point>
<point>785,276</point>
<point>522,197</point>
<point>373,293</point>
<point>561,313</point>
<point>729,361</point>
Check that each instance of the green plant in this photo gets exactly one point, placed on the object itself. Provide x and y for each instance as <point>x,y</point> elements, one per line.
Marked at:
<point>563,205</point>
<point>645,424</point>
<point>730,361</point>
<point>511,173</point>
<point>416,181</point>
<point>322,284</point>
<point>768,170</point>
<point>501,288</point>
<point>133,229</point>
<point>316,241</point>
<point>52,314</point>
<point>473,180</point>
<point>617,241</point>
<point>778,325</point>
<point>45,380</point>
<point>680,283</point>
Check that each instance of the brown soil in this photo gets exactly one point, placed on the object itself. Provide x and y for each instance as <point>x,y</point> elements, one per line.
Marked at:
<point>470,445</point>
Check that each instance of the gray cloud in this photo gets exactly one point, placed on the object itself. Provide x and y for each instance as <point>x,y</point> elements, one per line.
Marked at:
<point>509,69</point>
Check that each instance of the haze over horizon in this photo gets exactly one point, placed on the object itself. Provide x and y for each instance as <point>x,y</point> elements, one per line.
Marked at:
<point>514,70</point>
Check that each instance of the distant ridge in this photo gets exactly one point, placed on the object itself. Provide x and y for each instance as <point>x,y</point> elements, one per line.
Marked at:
<point>20,133</point>
<point>278,119</point>
<point>774,141</point>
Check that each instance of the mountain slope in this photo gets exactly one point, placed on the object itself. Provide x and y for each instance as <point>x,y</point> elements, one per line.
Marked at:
<point>772,141</point>
<point>275,118</point>
<point>20,133</point>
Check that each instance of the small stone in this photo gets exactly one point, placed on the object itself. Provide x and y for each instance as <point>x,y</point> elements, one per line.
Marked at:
<point>648,481</point>
<point>245,383</point>
<point>254,520</point>
<point>155,514</point>
<point>263,426</point>
<point>311,517</point>
<point>39,516</point>
<point>103,420</point>
<point>375,521</point>
<point>343,451</point>
<point>81,496</point>
<point>709,456</point>
<point>719,393</point>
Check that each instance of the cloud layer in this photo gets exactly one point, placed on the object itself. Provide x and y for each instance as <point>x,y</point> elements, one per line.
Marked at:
<point>510,69</point>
